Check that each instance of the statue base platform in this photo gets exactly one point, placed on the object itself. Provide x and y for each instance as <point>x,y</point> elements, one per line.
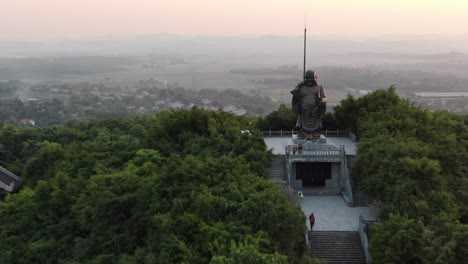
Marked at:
<point>309,137</point>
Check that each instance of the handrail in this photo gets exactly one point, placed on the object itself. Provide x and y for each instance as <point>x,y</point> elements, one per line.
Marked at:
<point>290,150</point>
<point>288,168</point>
<point>288,133</point>
<point>364,236</point>
<point>353,137</point>
<point>346,182</point>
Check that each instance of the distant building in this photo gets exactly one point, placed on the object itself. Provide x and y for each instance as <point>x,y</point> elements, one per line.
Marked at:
<point>207,101</point>
<point>358,92</point>
<point>31,100</point>
<point>210,108</point>
<point>240,112</point>
<point>364,92</point>
<point>234,110</point>
<point>9,182</point>
<point>28,121</point>
<point>230,108</point>
<point>441,95</point>
<point>177,105</point>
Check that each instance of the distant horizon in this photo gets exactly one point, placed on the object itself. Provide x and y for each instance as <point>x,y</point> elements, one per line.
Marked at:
<point>205,44</point>
<point>247,36</point>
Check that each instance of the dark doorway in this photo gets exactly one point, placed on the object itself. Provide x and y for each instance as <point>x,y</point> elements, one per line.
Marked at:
<point>313,174</point>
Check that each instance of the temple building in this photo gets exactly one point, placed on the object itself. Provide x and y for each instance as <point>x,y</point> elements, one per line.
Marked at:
<point>313,170</point>
<point>318,167</point>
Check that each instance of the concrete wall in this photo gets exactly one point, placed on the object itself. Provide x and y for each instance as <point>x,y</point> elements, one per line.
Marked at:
<point>295,184</point>
<point>334,182</point>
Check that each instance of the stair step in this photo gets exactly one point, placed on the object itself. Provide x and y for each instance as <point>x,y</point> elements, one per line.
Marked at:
<point>336,246</point>
<point>277,171</point>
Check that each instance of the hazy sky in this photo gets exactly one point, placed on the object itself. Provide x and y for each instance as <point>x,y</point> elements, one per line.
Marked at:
<point>73,19</point>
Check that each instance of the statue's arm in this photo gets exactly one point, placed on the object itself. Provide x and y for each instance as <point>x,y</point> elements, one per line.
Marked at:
<point>295,102</point>
<point>323,94</point>
<point>295,91</point>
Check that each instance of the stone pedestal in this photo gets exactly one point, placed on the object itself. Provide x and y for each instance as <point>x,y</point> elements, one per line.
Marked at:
<point>302,141</point>
<point>314,149</point>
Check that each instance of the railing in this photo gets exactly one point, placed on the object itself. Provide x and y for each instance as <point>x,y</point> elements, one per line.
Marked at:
<point>295,150</point>
<point>281,133</point>
<point>353,137</point>
<point>288,133</point>
<point>363,235</point>
<point>346,182</point>
<point>296,153</point>
<point>335,133</point>
<point>288,167</point>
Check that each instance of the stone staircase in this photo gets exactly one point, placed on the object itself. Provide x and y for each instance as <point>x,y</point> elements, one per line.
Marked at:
<point>277,171</point>
<point>337,247</point>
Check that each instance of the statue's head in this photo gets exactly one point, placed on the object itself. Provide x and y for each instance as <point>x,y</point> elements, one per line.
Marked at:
<point>310,77</point>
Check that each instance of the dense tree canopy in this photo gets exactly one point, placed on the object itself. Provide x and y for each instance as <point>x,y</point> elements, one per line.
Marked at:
<point>351,110</point>
<point>177,187</point>
<point>282,118</point>
<point>415,162</point>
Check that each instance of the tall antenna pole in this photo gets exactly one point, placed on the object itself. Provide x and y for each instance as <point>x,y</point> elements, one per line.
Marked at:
<point>305,38</point>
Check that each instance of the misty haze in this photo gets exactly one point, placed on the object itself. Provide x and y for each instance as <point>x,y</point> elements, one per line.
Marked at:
<point>262,67</point>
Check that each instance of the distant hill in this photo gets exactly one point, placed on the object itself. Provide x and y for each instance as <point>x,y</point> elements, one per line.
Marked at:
<point>203,44</point>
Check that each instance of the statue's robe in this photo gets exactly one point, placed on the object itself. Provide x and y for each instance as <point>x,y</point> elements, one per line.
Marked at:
<point>307,104</point>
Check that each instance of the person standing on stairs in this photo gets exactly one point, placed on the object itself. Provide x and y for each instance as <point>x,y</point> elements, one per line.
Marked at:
<point>312,220</point>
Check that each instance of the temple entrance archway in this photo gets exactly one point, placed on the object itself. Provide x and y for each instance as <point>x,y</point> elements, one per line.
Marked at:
<point>313,174</point>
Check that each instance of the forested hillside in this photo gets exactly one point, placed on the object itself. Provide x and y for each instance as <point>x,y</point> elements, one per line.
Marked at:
<point>176,187</point>
<point>415,162</point>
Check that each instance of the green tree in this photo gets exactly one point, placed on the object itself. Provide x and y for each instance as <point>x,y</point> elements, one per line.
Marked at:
<point>398,240</point>
<point>413,161</point>
<point>281,119</point>
<point>176,187</point>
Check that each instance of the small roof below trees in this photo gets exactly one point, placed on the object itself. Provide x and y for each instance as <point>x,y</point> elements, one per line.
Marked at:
<point>9,182</point>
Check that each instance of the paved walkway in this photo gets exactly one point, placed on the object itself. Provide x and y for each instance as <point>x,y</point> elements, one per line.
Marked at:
<point>332,214</point>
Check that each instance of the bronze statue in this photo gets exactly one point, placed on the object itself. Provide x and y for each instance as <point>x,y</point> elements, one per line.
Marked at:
<point>309,103</point>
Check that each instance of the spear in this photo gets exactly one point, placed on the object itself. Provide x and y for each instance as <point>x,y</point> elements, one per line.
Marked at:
<point>305,39</point>
<point>305,34</point>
